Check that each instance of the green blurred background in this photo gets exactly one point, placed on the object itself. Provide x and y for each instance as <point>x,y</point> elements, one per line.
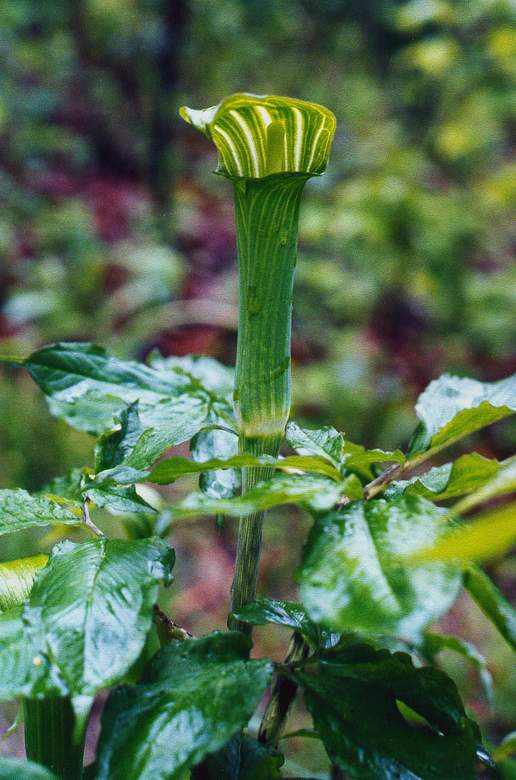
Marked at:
<point>112,228</point>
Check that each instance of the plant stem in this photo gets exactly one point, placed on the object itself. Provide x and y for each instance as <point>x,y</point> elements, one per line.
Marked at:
<point>267,214</point>
<point>49,736</point>
<point>283,693</point>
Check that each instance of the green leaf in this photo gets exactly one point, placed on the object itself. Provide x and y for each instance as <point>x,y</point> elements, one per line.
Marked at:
<point>357,457</point>
<point>350,578</point>
<point>492,603</point>
<point>20,510</point>
<point>502,482</point>
<point>452,407</point>
<point>17,578</point>
<point>506,748</point>
<point>315,492</point>
<point>243,758</point>
<point>260,135</point>
<point>324,442</point>
<point>208,445</point>
<point>65,486</point>
<point>354,699</point>
<point>90,389</point>
<point>25,670</point>
<point>435,643</point>
<point>464,475</point>
<point>95,601</point>
<point>208,372</point>
<point>289,614</point>
<point>87,619</point>
<point>119,500</point>
<point>171,469</point>
<point>489,536</point>
<point>16,769</point>
<point>193,698</point>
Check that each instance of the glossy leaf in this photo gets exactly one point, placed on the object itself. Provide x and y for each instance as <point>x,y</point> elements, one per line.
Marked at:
<point>208,445</point>
<point>488,536</point>
<point>243,758</point>
<point>350,578</point>
<point>324,442</point>
<point>260,135</point>
<point>17,578</point>
<point>25,667</point>
<point>289,614</point>
<point>435,643</point>
<point>357,457</point>
<point>502,482</point>
<point>87,619</point>
<point>16,769</point>
<point>353,700</point>
<point>467,473</point>
<point>95,601</point>
<point>90,390</point>
<point>208,372</point>
<point>316,492</point>
<point>171,469</point>
<point>118,500</point>
<point>20,510</point>
<point>452,407</point>
<point>193,698</point>
<point>493,604</point>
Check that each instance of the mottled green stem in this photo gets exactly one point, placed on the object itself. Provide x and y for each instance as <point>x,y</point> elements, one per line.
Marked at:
<point>49,737</point>
<point>267,214</point>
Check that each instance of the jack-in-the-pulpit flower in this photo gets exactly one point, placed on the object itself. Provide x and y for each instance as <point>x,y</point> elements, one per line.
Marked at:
<point>269,147</point>
<point>260,135</point>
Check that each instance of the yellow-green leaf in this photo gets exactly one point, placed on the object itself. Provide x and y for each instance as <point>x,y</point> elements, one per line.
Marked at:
<point>488,537</point>
<point>16,579</point>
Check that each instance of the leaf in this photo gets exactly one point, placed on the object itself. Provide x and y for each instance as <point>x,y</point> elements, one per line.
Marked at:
<point>464,475</point>
<point>492,603</point>
<point>25,670</point>
<point>289,614</point>
<point>209,373</point>
<point>95,601</point>
<point>317,493</point>
<point>452,407</point>
<point>193,698</point>
<point>17,578</point>
<point>208,445</point>
<point>504,481</point>
<point>353,700</point>
<point>16,769</point>
<point>119,500</point>
<point>351,577</point>
<point>90,389</point>
<point>20,510</point>
<point>66,486</point>
<point>243,758</point>
<point>87,619</point>
<point>325,442</point>
<point>171,469</point>
<point>506,748</point>
<point>357,457</point>
<point>435,643</point>
<point>489,536</point>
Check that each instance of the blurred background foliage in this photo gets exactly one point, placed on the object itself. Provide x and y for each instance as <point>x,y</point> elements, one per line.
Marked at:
<point>113,230</point>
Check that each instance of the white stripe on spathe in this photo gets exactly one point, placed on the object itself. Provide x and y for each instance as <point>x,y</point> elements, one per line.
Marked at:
<point>252,146</point>
<point>232,146</point>
<point>298,137</point>
<point>314,144</point>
